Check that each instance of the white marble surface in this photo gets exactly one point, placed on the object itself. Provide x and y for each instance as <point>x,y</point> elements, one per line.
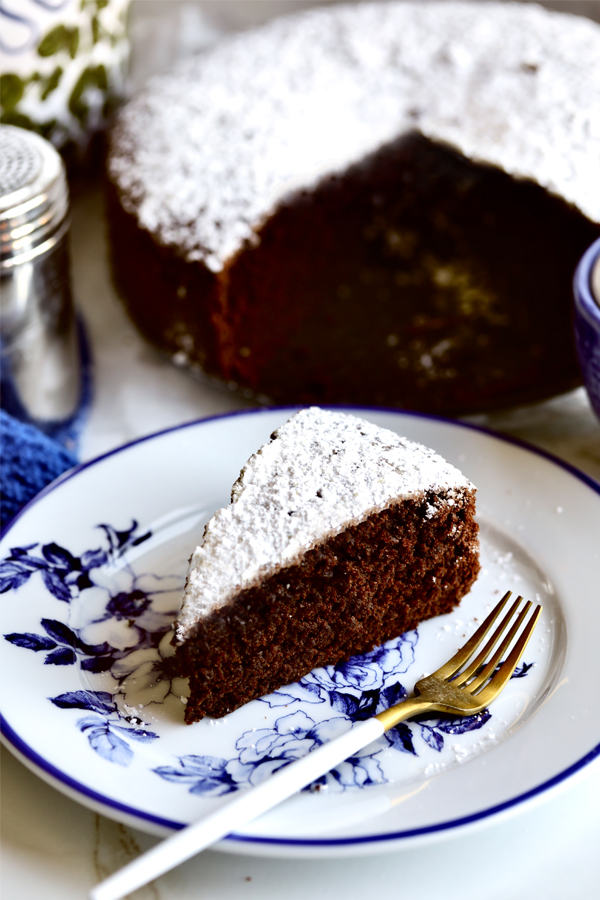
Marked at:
<point>54,849</point>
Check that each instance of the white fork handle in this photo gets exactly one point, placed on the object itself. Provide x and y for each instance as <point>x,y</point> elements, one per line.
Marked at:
<point>245,806</point>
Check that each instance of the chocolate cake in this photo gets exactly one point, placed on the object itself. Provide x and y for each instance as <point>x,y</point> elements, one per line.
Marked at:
<point>381,203</point>
<point>339,536</point>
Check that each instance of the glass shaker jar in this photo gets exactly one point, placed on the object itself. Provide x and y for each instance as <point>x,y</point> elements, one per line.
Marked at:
<point>45,373</point>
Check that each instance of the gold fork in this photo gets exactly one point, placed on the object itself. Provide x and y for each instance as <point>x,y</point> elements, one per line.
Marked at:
<point>451,689</point>
<point>467,692</point>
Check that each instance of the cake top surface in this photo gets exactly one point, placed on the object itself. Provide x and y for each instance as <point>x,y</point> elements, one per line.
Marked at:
<point>321,472</point>
<point>207,151</point>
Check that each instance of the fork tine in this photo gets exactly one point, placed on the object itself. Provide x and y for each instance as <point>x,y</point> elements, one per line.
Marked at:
<point>466,651</point>
<point>502,676</point>
<point>489,666</point>
<point>482,660</point>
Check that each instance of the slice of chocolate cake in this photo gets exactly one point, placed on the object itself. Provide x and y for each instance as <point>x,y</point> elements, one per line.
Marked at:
<point>339,536</point>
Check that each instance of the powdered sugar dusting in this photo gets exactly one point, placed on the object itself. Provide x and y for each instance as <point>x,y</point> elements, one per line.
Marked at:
<point>207,152</point>
<point>321,472</point>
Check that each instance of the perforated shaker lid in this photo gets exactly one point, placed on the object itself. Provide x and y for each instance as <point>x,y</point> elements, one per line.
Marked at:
<point>34,197</point>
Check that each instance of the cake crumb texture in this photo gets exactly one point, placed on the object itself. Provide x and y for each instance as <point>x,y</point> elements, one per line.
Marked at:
<point>367,585</point>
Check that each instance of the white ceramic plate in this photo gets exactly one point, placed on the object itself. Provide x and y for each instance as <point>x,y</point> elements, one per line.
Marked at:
<point>92,572</point>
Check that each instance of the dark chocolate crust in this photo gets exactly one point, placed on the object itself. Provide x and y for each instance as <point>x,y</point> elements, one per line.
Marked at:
<point>349,594</point>
<point>416,279</point>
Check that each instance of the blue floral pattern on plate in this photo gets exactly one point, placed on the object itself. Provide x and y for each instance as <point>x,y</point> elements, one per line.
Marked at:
<point>135,671</point>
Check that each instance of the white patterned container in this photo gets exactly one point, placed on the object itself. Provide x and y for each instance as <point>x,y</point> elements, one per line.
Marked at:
<point>64,65</point>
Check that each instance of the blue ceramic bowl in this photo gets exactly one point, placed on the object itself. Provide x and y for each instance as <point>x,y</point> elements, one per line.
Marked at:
<point>586,288</point>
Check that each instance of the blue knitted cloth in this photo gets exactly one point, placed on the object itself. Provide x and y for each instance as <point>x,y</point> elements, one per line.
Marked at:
<point>30,461</point>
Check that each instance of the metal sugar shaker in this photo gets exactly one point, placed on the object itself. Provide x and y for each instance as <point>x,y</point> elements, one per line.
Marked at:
<point>41,380</point>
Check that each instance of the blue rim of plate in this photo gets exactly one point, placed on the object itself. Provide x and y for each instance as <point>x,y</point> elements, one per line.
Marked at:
<point>12,740</point>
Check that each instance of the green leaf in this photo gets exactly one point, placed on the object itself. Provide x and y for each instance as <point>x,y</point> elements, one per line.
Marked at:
<point>52,82</point>
<point>101,77</point>
<point>54,41</point>
<point>77,106</point>
<point>11,90</point>
<point>47,129</point>
<point>93,76</point>
<point>10,117</point>
<point>72,35</point>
